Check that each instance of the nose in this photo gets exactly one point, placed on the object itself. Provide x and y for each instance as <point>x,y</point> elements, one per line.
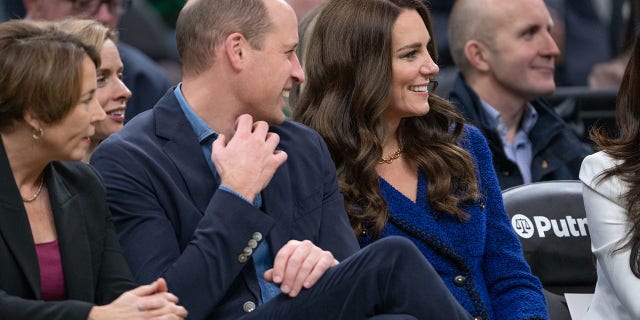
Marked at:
<point>297,73</point>
<point>98,112</point>
<point>429,67</point>
<point>549,46</point>
<point>105,16</point>
<point>122,91</point>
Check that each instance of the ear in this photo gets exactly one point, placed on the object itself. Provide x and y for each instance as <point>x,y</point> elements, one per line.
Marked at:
<point>477,53</point>
<point>31,120</point>
<point>236,49</point>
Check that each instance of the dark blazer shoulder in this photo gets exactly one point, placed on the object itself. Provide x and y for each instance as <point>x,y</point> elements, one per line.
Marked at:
<point>76,172</point>
<point>294,133</point>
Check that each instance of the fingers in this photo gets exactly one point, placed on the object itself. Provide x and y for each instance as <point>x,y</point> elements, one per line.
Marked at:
<point>244,123</point>
<point>145,290</point>
<point>157,301</point>
<point>280,261</point>
<point>219,143</point>
<point>246,162</point>
<point>325,262</point>
<point>261,128</point>
<point>299,264</point>
<point>162,285</point>
<point>168,311</point>
<point>268,275</point>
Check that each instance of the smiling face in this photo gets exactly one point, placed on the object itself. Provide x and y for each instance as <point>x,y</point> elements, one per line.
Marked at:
<point>522,55</point>
<point>274,68</point>
<point>112,94</point>
<point>412,67</point>
<point>68,139</point>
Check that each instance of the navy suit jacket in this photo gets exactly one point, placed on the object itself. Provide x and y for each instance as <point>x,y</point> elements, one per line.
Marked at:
<point>95,271</point>
<point>173,222</point>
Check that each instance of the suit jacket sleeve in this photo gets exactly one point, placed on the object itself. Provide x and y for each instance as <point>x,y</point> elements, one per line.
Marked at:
<point>17,308</point>
<point>515,292</point>
<point>608,225</point>
<point>114,275</point>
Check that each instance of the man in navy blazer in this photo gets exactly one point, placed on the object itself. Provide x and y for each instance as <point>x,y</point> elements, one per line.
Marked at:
<point>238,209</point>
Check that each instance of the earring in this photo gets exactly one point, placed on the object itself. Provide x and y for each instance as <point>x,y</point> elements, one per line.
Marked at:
<point>37,134</point>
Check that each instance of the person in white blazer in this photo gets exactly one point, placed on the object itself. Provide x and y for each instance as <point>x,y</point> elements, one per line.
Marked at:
<point>611,192</point>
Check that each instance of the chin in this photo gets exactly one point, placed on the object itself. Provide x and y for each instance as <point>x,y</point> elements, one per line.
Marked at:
<point>547,90</point>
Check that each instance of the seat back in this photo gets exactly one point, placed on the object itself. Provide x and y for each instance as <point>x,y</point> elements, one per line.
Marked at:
<point>550,220</point>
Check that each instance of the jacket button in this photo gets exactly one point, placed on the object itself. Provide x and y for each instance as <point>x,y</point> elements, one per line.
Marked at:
<point>249,306</point>
<point>242,258</point>
<point>257,236</point>
<point>506,173</point>
<point>459,280</point>
<point>482,206</point>
<point>544,164</point>
<point>477,318</point>
<point>252,244</point>
<point>248,251</point>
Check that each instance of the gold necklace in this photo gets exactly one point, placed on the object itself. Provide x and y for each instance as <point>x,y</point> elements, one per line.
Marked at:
<point>33,197</point>
<point>391,157</point>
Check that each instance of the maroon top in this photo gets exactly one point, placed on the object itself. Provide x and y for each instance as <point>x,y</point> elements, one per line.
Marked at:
<point>51,276</point>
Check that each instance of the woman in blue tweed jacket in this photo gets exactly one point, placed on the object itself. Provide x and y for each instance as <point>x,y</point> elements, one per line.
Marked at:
<point>406,164</point>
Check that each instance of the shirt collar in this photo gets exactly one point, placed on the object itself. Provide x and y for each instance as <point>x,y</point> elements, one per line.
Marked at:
<point>199,127</point>
<point>529,118</point>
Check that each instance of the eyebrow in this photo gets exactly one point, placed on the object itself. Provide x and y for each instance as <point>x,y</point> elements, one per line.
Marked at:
<point>290,47</point>
<point>90,92</point>
<point>411,46</point>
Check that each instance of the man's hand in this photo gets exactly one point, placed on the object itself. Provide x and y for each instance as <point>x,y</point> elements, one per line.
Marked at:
<point>299,264</point>
<point>248,161</point>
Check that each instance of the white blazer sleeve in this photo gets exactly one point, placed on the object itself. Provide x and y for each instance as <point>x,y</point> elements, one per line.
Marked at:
<point>608,225</point>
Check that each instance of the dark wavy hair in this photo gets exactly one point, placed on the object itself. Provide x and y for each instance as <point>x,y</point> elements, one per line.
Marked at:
<point>625,146</point>
<point>348,71</point>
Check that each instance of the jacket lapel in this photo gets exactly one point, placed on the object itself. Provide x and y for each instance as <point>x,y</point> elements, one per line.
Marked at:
<point>172,124</point>
<point>417,218</point>
<point>278,203</point>
<point>69,215</point>
<point>14,225</point>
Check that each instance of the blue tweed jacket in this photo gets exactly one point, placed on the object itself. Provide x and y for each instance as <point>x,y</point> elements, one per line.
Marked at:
<point>480,259</point>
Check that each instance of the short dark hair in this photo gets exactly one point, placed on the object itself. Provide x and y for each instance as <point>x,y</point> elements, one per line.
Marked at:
<point>204,24</point>
<point>41,70</point>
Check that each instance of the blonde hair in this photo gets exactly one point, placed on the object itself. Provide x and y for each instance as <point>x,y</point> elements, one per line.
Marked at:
<point>91,32</point>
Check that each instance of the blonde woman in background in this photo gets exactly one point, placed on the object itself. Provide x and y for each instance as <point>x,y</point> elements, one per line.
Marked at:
<point>112,93</point>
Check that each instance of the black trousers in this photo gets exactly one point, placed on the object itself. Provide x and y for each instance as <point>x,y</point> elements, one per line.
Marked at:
<point>389,279</point>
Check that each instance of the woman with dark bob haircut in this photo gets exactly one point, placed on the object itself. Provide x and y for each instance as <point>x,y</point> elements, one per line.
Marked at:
<point>59,255</point>
<point>406,163</point>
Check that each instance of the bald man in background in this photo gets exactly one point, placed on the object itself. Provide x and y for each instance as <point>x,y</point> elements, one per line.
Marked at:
<point>506,60</point>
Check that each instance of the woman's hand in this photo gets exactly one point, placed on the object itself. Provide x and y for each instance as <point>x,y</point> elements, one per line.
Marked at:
<point>151,301</point>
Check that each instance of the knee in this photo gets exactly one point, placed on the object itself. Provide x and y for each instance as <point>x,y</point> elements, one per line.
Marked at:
<point>395,246</point>
<point>399,254</point>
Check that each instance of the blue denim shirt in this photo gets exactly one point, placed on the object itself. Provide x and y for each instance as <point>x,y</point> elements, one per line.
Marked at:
<point>262,257</point>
